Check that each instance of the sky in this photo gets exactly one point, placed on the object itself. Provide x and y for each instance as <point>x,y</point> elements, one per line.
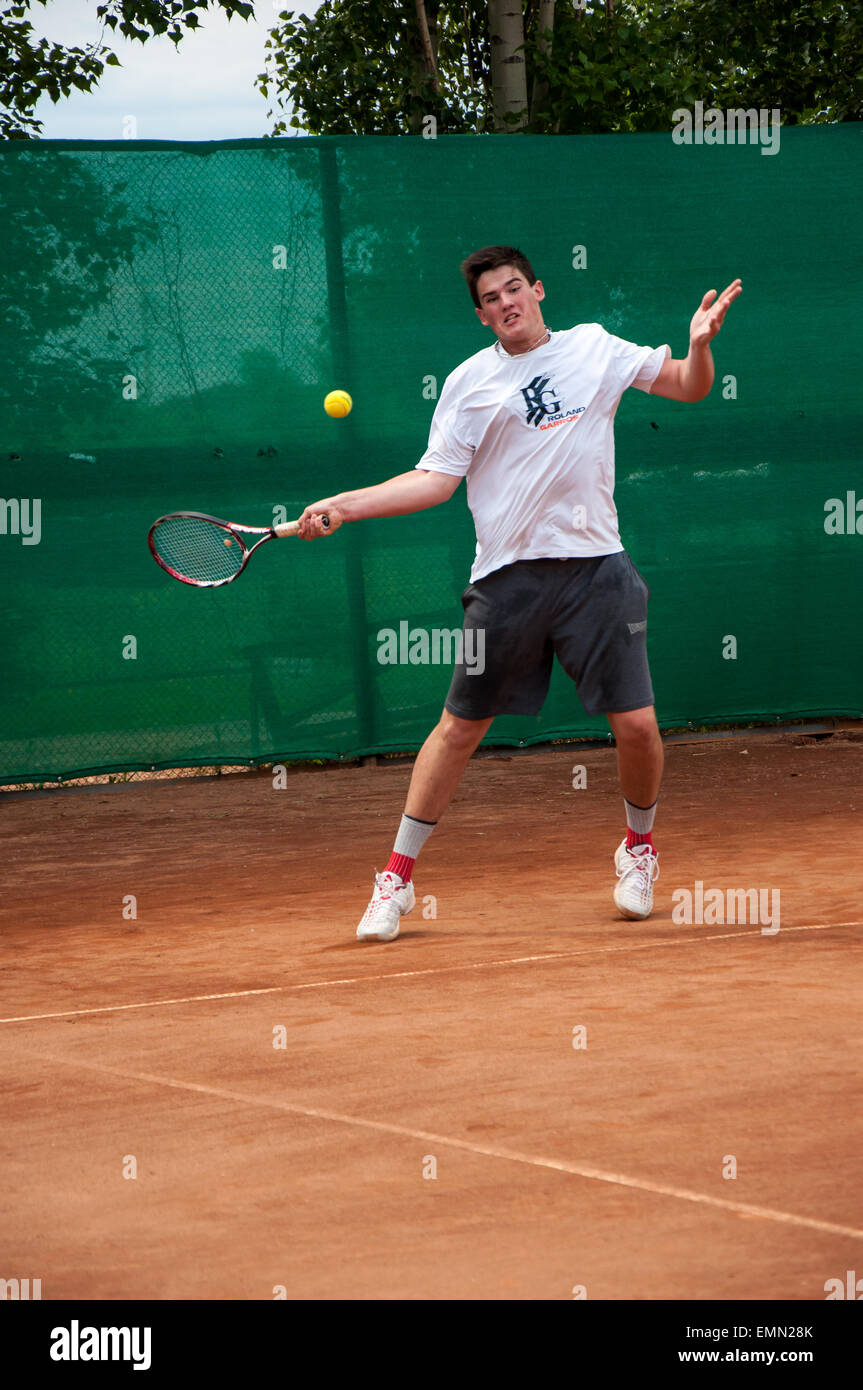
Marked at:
<point>202,90</point>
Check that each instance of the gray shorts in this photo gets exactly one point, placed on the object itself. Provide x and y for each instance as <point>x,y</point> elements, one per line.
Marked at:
<point>591,613</point>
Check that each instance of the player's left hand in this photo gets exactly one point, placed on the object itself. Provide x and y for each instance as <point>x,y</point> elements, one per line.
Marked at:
<point>708,317</point>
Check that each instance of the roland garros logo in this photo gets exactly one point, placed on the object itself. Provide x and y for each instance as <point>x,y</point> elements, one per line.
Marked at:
<point>542,408</point>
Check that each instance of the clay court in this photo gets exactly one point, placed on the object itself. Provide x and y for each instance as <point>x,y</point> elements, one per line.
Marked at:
<point>435,1125</point>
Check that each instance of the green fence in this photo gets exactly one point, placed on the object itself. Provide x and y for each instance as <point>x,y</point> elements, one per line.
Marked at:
<point>173,314</point>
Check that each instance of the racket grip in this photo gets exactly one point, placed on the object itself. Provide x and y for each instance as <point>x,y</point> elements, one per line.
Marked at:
<point>290,528</point>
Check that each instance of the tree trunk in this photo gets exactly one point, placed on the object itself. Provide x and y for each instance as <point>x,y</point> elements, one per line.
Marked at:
<point>428,50</point>
<point>544,23</point>
<point>422,58</point>
<point>508,74</point>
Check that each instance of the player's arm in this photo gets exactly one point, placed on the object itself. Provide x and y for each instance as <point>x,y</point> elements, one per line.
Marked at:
<point>690,378</point>
<point>415,491</point>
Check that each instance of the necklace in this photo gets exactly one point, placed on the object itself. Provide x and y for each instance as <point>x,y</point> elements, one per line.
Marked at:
<point>544,337</point>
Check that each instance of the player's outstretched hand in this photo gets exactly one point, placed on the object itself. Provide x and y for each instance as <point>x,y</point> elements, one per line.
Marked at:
<point>311,525</point>
<point>708,317</point>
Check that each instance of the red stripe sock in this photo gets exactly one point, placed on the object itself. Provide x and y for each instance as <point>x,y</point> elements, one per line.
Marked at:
<point>402,865</point>
<point>633,837</point>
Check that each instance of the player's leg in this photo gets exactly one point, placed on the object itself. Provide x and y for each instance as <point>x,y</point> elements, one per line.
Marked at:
<point>440,764</point>
<point>436,774</point>
<point>504,668</point>
<point>600,637</point>
<point>640,756</point>
<point>639,764</point>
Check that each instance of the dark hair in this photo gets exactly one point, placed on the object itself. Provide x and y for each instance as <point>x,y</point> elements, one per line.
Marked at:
<point>491,258</point>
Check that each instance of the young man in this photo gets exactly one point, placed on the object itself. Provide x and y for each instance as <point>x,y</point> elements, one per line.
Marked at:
<point>529,422</point>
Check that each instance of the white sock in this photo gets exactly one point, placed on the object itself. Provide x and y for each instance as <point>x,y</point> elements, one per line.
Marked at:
<point>640,818</point>
<point>412,835</point>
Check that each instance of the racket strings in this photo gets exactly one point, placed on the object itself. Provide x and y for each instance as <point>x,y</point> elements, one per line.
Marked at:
<point>199,550</point>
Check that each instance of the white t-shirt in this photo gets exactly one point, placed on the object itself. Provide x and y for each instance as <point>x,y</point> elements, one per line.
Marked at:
<point>534,435</point>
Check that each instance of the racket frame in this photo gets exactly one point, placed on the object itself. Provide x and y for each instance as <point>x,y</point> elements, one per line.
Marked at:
<point>233,529</point>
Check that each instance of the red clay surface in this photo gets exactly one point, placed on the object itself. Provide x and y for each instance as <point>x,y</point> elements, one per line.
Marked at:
<point>449,1050</point>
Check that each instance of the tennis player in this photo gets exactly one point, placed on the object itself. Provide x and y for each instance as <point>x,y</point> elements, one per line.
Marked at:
<point>528,421</point>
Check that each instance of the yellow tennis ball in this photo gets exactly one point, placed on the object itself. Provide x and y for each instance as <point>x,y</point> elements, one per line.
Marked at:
<point>337,404</point>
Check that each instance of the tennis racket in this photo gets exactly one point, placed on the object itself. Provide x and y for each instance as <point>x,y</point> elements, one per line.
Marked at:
<point>206,552</point>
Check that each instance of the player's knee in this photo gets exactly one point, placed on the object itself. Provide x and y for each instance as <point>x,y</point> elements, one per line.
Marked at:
<point>637,726</point>
<point>462,735</point>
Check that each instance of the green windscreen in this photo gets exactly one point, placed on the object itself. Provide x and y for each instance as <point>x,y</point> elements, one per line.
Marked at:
<point>174,314</point>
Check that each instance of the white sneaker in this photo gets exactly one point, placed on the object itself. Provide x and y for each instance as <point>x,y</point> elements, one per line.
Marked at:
<point>391,899</point>
<point>637,869</point>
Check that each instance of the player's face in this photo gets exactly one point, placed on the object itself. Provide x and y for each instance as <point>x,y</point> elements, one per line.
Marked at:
<point>509,306</point>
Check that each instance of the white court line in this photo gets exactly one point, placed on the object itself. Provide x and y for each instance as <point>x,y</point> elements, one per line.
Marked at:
<point>578,1170</point>
<point>415,974</point>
